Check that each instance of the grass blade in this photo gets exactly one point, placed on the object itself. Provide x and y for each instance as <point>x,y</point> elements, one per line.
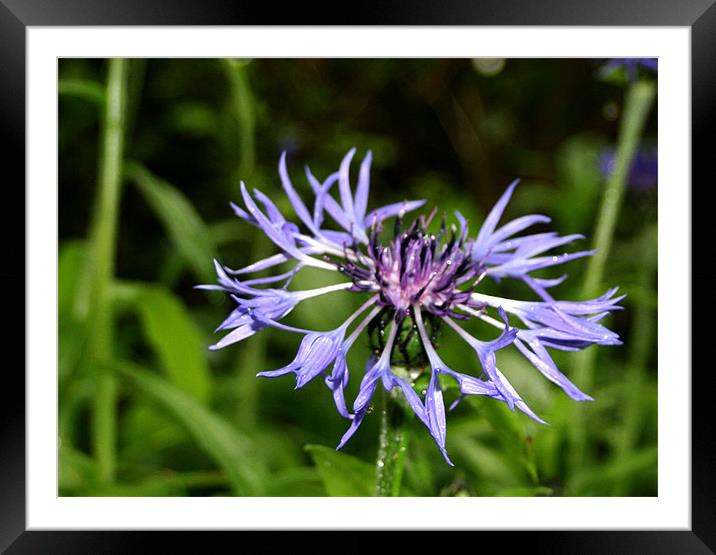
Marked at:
<point>232,451</point>
<point>343,475</point>
<point>189,234</point>
<point>101,268</point>
<point>175,339</point>
<point>82,88</point>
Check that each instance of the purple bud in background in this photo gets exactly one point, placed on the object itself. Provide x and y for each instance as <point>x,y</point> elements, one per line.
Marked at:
<point>643,175</point>
<point>631,66</point>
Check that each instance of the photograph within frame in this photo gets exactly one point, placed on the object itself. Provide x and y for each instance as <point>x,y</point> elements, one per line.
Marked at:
<point>484,36</point>
<point>444,130</point>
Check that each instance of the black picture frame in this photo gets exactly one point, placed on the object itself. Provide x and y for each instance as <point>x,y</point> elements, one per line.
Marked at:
<point>17,15</point>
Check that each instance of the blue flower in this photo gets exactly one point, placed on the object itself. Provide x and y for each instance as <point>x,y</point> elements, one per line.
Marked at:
<point>412,283</point>
<point>644,170</point>
<point>631,66</point>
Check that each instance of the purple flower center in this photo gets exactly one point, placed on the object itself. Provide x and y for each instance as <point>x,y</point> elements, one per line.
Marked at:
<point>416,269</point>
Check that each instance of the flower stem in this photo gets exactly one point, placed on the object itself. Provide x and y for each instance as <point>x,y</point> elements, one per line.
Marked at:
<point>244,112</point>
<point>392,447</point>
<point>644,329</point>
<point>103,238</point>
<point>252,357</point>
<point>637,106</point>
<point>639,99</point>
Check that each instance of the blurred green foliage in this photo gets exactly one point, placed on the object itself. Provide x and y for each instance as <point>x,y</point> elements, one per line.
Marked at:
<point>183,420</point>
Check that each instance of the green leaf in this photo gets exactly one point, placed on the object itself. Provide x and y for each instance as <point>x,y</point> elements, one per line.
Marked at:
<point>229,231</point>
<point>82,88</point>
<point>594,480</point>
<point>71,286</point>
<point>343,475</point>
<point>231,450</point>
<point>296,482</point>
<point>151,487</point>
<point>580,180</point>
<point>418,473</point>
<point>147,433</point>
<point>539,491</point>
<point>188,232</point>
<point>511,434</point>
<point>70,262</point>
<point>175,339</point>
<point>491,466</point>
<point>75,469</point>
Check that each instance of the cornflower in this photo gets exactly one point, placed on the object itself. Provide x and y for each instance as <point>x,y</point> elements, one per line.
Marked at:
<point>412,284</point>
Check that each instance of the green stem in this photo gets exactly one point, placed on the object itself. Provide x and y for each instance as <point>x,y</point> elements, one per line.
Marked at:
<point>639,99</point>
<point>103,238</point>
<point>250,358</point>
<point>392,447</point>
<point>244,110</point>
<point>640,348</point>
<point>637,106</point>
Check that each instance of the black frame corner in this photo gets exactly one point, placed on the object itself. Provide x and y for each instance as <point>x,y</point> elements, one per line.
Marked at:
<point>699,15</point>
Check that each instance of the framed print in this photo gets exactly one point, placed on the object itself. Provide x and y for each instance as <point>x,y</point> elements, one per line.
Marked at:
<point>274,274</point>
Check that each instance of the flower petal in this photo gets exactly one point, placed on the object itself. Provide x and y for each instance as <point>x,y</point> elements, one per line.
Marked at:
<point>344,186</point>
<point>391,210</point>
<point>298,206</point>
<point>481,245</point>
<point>435,414</point>
<point>361,197</point>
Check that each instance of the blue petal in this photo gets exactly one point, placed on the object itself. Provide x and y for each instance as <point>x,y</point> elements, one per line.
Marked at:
<point>241,213</point>
<point>281,239</point>
<point>395,209</point>
<point>485,351</point>
<point>298,205</point>
<point>239,334</point>
<point>344,186</point>
<point>413,399</point>
<point>362,189</point>
<point>519,266</point>
<point>316,352</point>
<point>324,200</point>
<point>517,225</point>
<point>360,406</point>
<point>470,385</point>
<point>540,359</point>
<point>337,382</point>
<point>435,414</point>
<point>481,244</point>
<point>272,210</point>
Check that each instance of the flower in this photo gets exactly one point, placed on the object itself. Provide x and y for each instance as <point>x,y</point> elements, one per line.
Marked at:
<point>644,171</point>
<point>631,66</point>
<point>412,284</point>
